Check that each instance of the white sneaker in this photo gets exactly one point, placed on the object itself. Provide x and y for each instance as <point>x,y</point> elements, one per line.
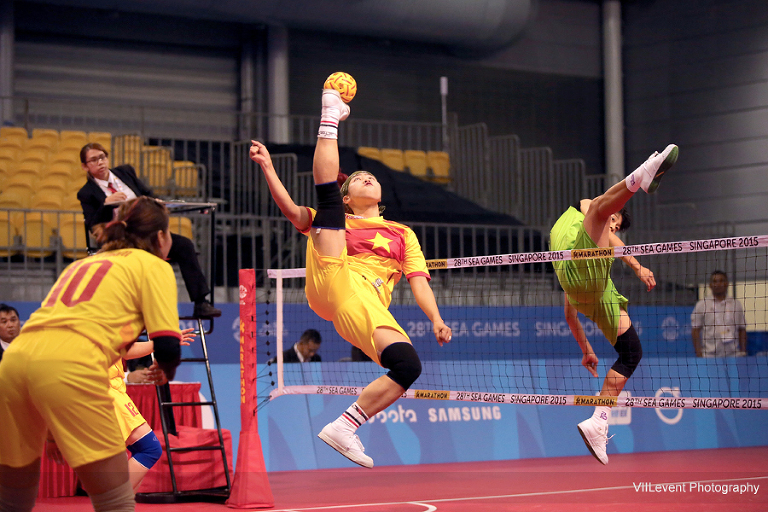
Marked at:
<point>347,444</point>
<point>595,436</point>
<point>656,166</point>
<point>332,101</point>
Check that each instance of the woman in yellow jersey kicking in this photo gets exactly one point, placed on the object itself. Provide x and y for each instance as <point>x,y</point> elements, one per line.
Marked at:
<point>55,374</point>
<point>353,263</point>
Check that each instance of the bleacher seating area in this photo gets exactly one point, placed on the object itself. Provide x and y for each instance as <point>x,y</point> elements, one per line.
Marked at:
<point>41,174</point>
<point>433,166</point>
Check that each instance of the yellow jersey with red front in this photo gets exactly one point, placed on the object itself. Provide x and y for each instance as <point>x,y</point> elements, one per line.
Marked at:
<point>110,298</point>
<point>382,251</point>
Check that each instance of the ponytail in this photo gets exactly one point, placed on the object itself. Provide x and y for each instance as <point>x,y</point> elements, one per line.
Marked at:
<point>136,226</point>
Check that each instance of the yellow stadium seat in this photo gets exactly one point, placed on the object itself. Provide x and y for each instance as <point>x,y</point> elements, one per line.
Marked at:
<point>416,162</point>
<point>6,168</point>
<point>23,177</point>
<point>48,133</point>
<point>185,176</point>
<point>103,138</point>
<point>72,233</point>
<point>181,226</point>
<point>14,133</point>
<point>70,202</point>
<point>11,147</point>
<point>157,168</point>
<point>36,154</point>
<point>126,149</point>
<point>369,152</point>
<point>8,158</point>
<point>55,184</point>
<point>439,162</point>
<point>76,184</point>
<point>64,168</point>
<point>44,200</point>
<point>72,139</point>
<point>8,236</point>
<point>393,158</point>
<point>28,171</point>
<point>16,196</point>
<point>43,138</point>
<point>70,155</point>
<point>36,233</point>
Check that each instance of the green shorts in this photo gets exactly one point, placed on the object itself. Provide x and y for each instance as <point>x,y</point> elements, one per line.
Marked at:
<point>587,282</point>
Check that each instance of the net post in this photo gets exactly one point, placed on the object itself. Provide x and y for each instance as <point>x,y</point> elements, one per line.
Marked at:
<point>250,486</point>
<point>279,329</point>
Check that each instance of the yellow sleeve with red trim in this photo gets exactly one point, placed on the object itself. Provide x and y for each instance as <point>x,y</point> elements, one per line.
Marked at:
<point>312,212</point>
<point>414,263</point>
<point>158,301</point>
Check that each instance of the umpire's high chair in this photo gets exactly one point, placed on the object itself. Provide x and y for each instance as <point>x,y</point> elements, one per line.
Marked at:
<point>166,415</point>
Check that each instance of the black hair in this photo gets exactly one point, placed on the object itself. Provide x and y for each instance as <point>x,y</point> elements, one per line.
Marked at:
<point>5,308</point>
<point>311,335</point>
<point>626,220</point>
<point>713,274</point>
<point>136,226</point>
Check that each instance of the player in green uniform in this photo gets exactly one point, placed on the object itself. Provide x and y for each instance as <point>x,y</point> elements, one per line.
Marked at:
<point>589,290</point>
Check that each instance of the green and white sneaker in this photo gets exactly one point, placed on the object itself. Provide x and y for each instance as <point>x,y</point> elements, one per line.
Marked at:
<point>657,165</point>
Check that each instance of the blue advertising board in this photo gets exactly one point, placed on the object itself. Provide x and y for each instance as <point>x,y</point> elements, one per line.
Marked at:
<point>431,431</point>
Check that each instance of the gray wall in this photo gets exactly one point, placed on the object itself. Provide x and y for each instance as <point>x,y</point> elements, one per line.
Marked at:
<point>546,87</point>
<point>696,74</point>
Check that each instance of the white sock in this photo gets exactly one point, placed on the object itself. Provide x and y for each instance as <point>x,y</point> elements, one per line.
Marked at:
<point>602,413</point>
<point>633,181</point>
<point>640,177</point>
<point>352,418</point>
<point>332,112</point>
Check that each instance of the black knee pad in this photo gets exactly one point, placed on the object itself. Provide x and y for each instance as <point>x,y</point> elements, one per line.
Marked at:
<point>330,208</point>
<point>630,352</point>
<point>403,363</point>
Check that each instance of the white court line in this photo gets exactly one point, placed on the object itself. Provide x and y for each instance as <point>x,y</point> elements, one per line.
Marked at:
<point>523,495</point>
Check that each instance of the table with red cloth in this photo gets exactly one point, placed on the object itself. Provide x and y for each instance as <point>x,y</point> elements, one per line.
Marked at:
<point>145,398</point>
<point>59,480</point>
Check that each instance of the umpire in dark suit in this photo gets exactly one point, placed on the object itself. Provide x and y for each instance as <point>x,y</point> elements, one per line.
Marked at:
<point>304,350</point>
<point>107,188</point>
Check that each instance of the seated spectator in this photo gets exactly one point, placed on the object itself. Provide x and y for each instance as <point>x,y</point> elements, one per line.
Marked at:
<point>718,325</point>
<point>106,189</point>
<point>10,325</point>
<point>304,350</point>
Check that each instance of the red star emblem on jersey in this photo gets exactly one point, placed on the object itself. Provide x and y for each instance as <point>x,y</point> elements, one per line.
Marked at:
<point>382,242</point>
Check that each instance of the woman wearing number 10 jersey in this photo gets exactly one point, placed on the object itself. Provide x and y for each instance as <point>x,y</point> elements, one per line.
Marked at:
<point>55,375</point>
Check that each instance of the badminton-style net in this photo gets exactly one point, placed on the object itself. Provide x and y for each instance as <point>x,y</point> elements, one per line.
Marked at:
<point>511,343</point>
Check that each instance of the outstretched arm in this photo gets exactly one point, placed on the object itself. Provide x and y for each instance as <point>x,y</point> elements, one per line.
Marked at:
<point>298,215</point>
<point>422,292</point>
<point>143,348</point>
<point>642,273</point>
<point>589,361</point>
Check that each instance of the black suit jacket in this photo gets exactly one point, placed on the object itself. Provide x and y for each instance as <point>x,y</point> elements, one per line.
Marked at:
<point>92,197</point>
<point>290,356</point>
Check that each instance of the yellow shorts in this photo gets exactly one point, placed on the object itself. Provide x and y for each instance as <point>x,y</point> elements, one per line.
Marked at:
<point>55,379</point>
<point>128,416</point>
<point>344,297</point>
